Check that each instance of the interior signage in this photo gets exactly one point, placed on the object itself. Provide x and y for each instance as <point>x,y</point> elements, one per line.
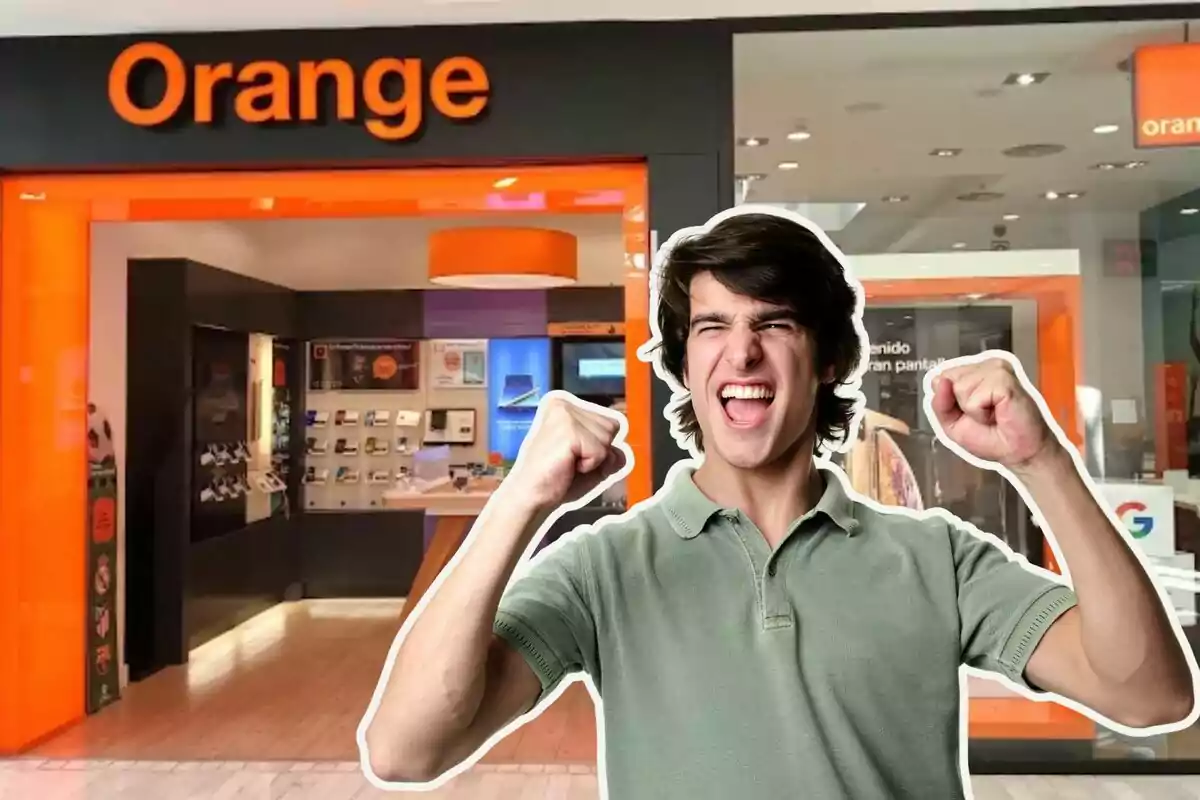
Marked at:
<point>1166,95</point>
<point>388,96</point>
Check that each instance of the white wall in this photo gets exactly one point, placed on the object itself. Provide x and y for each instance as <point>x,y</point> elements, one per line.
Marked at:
<point>113,244</point>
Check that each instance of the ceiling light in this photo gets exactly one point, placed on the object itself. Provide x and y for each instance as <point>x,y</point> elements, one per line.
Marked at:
<point>959,245</point>
<point>1105,167</point>
<point>1074,195</point>
<point>799,136</point>
<point>1051,195</point>
<point>31,196</point>
<point>1011,217</point>
<point>786,165</point>
<point>1025,78</point>
<point>1187,212</point>
<point>264,203</point>
<point>1108,166</point>
<point>752,176</point>
<point>946,152</point>
<point>980,197</point>
<point>504,183</point>
<point>895,198</point>
<point>974,296</point>
<point>752,141</point>
<point>1106,128</point>
<point>1033,150</point>
<point>503,258</point>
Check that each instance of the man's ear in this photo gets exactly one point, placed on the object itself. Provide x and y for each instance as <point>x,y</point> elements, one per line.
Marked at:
<point>829,375</point>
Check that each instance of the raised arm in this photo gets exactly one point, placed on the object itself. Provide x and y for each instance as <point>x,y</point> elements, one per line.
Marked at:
<point>453,683</point>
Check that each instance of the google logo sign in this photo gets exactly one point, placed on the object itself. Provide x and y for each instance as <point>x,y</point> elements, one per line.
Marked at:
<point>1140,525</point>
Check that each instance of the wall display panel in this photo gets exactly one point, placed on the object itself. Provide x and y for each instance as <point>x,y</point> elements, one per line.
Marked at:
<point>365,366</point>
<point>519,374</point>
<point>220,419</point>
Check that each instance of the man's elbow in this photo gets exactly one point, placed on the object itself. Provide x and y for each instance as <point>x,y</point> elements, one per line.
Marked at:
<point>393,765</point>
<point>1169,709</point>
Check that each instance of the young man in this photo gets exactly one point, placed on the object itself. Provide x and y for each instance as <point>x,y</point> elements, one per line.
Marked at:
<point>756,632</point>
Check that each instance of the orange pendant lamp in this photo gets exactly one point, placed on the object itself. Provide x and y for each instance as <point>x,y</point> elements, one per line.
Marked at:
<point>503,258</point>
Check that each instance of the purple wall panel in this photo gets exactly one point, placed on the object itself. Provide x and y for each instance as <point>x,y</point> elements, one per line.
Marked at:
<point>472,314</point>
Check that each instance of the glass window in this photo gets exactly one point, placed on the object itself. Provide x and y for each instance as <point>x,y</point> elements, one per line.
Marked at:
<point>986,185</point>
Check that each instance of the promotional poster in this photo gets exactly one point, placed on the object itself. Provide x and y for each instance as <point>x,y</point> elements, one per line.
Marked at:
<point>102,669</point>
<point>365,366</point>
<point>897,460</point>
<point>518,376</point>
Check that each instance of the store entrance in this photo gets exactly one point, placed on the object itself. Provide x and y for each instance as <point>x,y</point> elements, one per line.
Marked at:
<point>293,392</point>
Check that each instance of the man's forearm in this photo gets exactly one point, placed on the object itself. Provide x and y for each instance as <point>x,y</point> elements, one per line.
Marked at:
<point>1126,633</point>
<point>439,676</point>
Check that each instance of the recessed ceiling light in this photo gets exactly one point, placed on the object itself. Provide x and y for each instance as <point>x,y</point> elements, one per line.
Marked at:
<point>959,245</point>
<point>1106,128</point>
<point>752,141</point>
<point>39,196</point>
<point>980,197</point>
<point>1033,150</point>
<point>752,176</point>
<point>1051,195</point>
<point>1074,195</point>
<point>974,296</point>
<point>799,136</point>
<point>504,183</point>
<point>1105,167</point>
<point>1011,217</point>
<point>946,152</point>
<point>895,198</point>
<point>786,165</point>
<point>264,203</point>
<point>1108,166</point>
<point>1025,78</point>
<point>1187,212</point>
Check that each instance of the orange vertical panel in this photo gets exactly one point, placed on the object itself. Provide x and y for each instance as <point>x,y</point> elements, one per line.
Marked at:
<point>44,253</point>
<point>638,376</point>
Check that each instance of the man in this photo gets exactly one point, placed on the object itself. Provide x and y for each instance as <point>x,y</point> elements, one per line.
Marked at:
<point>756,632</point>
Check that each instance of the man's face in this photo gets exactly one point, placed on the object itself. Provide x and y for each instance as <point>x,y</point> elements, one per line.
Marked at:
<point>750,370</point>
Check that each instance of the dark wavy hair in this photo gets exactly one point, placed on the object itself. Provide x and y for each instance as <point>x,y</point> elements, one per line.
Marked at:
<point>774,260</point>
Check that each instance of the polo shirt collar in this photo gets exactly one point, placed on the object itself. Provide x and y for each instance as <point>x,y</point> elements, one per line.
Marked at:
<point>690,510</point>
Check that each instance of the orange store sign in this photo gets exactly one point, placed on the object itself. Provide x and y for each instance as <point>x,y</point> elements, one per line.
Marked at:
<point>392,91</point>
<point>1166,95</point>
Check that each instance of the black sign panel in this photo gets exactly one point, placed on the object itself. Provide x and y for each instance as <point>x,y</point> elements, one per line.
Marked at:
<point>365,366</point>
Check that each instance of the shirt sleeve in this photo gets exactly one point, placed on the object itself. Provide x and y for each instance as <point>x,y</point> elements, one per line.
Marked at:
<point>1005,606</point>
<point>546,614</point>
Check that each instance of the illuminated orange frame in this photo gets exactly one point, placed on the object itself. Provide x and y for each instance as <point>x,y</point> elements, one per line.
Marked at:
<point>44,339</point>
<point>1057,298</point>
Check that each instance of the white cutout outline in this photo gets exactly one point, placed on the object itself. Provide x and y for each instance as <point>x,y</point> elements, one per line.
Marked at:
<point>850,388</point>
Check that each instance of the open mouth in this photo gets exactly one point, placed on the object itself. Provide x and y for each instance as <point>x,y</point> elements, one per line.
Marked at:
<point>746,404</point>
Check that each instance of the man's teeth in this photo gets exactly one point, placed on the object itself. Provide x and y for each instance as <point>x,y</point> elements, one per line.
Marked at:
<point>746,393</point>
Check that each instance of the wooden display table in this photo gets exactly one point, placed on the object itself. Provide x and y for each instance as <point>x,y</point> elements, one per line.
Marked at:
<point>455,511</point>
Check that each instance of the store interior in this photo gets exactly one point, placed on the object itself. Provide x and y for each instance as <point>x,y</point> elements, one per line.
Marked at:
<point>1004,158</point>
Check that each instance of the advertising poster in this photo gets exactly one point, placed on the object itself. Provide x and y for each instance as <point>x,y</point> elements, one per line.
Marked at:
<point>458,363</point>
<point>103,675</point>
<point>897,460</point>
<point>518,375</point>
<point>365,366</point>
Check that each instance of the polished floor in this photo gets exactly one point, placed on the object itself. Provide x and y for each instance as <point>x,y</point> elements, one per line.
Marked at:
<point>21,779</point>
<point>290,684</point>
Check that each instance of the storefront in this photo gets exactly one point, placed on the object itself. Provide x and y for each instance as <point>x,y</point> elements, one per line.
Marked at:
<point>620,121</point>
<point>970,229</point>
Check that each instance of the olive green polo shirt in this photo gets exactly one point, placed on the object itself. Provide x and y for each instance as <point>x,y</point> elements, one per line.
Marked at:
<point>827,668</point>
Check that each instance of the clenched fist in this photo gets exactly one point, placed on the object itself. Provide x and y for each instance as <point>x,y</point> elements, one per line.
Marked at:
<point>982,407</point>
<point>570,453</point>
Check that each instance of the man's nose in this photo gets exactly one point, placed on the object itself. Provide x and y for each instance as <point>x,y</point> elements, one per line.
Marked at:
<point>742,348</point>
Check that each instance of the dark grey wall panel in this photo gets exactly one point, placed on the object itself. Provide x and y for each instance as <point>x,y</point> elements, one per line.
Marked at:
<point>396,314</point>
<point>558,91</point>
<point>364,554</point>
<point>226,299</point>
<point>586,304</point>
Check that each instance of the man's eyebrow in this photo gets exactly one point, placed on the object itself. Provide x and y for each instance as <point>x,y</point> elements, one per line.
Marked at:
<point>708,318</point>
<point>773,315</point>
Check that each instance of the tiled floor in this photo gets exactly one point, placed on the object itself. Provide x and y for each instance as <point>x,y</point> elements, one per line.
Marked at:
<point>22,779</point>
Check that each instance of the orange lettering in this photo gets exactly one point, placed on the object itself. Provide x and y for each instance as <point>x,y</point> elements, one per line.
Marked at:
<point>277,92</point>
<point>407,107</point>
<point>311,73</point>
<point>207,78</point>
<point>392,90</point>
<point>459,75</point>
<point>118,84</point>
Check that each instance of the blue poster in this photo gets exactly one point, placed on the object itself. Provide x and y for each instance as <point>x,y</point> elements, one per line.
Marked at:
<point>518,376</point>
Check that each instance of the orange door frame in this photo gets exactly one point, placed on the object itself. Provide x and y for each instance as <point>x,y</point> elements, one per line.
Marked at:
<point>44,340</point>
